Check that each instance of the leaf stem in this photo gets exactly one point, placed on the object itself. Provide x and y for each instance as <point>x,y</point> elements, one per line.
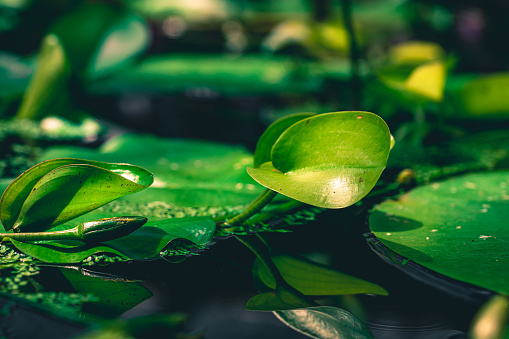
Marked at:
<point>37,236</point>
<point>354,55</point>
<point>253,208</point>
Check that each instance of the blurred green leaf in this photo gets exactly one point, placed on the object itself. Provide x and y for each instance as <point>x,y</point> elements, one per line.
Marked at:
<point>491,320</point>
<point>415,53</point>
<point>59,190</point>
<point>313,279</point>
<point>47,91</point>
<point>484,97</point>
<point>126,39</point>
<point>324,322</point>
<point>330,160</point>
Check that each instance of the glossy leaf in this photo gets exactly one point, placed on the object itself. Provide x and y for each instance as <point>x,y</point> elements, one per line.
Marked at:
<point>313,279</point>
<point>47,88</point>
<point>282,299</point>
<point>324,322</point>
<point>59,190</point>
<point>428,81</point>
<point>271,134</point>
<point>331,160</point>
<point>144,243</point>
<point>457,228</point>
<point>114,297</point>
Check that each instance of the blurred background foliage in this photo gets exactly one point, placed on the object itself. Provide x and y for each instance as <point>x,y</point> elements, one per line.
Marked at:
<point>225,69</point>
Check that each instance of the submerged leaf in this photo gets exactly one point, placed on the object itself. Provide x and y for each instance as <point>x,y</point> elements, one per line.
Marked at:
<point>59,190</point>
<point>310,278</point>
<point>330,160</point>
<point>282,299</point>
<point>324,322</point>
<point>114,297</point>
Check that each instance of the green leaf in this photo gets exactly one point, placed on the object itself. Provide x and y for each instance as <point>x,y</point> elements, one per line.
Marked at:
<point>415,52</point>
<point>127,38</point>
<point>271,134</point>
<point>457,228</point>
<point>310,278</point>
<point>485,96</point>
<point>145,243</point>
<point>282,299</point>
<point>324,322</point>
<point>330,160</point>
<point>81,31</point>
<point>59,190</point>
<point>428,81</point>
<point>47,88</point>
<point>114,297</point>
<point>186,172</point>
<point>181,72</point>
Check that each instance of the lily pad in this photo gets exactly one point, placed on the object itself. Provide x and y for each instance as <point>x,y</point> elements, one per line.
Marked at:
<point>186,172</point>
<point>144,243</point>
<point>324,322</point>
<point>330,160</point>
<point>456,227</point>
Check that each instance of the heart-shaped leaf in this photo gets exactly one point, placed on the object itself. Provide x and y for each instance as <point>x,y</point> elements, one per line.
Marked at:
<point>310,278</point>
<point>59,190</point>
<point>47,87</point>
<point>330,160</point>
<point>272,133</point>
<point>457,228</point>
<point>144,243</point>
<point>324,322</point>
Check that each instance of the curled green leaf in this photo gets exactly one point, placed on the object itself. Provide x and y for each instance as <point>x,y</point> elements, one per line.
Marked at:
<point>272,133</point>
<point>330,160</point>
<point>59,190</point>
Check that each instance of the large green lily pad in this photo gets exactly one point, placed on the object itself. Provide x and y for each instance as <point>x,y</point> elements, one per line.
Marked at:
<point>457,227</point>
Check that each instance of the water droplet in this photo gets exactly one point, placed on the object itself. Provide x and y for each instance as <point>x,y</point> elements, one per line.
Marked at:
<point>359,117</point>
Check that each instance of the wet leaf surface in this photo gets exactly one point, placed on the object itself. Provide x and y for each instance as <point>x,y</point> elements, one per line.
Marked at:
<point>456,227</point>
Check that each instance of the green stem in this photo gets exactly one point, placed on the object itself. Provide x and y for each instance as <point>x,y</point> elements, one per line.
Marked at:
<point>354,55</point>
<point>38,236</point>
<point>253,208</point>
